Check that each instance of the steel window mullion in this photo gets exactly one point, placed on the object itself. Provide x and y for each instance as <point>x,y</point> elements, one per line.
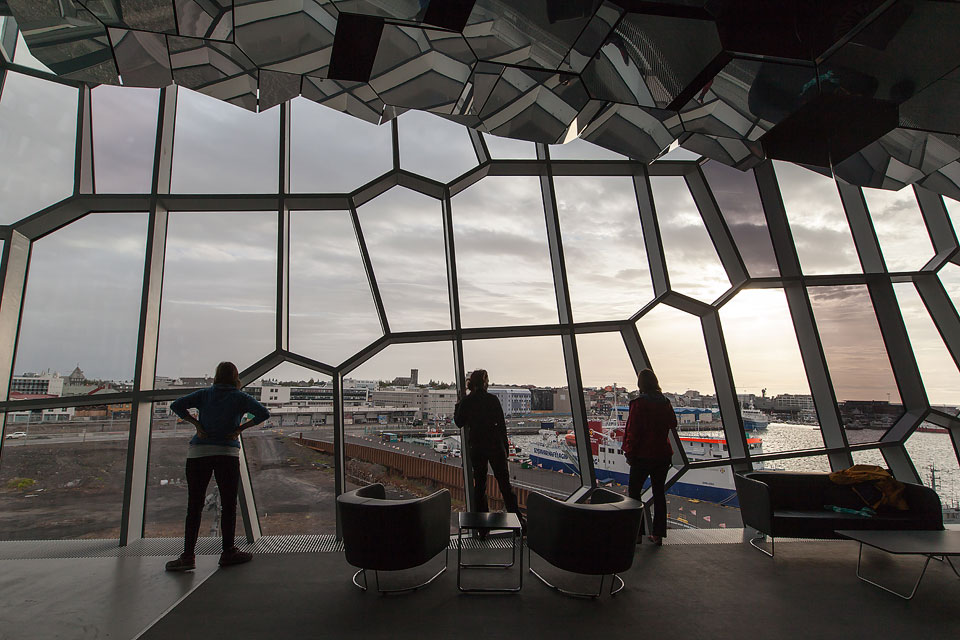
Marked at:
<point>725,390</point>
<point>717,227</point>
<point>784,248</point>
<point>339,446</point>
<point>899,462</point>
<point>902,360</point>
<point>83,168</point>
<point>818,375</point>
<point>371,276</point>
<point>634,345</point>
<point>941,232</point>
<point>571,357</point>
<point>479,145</point>
<point>942,311</point>
<point>651,233</point>
<point>861,226</point>
<point>138,444</point>
<point>459,370</point>
<point>801,314</point>
<point>283,233</point>
<point>13,276</point>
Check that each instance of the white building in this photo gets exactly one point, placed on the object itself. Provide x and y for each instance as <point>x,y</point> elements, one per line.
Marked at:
<point>515,402</point>
<point>37,384</point>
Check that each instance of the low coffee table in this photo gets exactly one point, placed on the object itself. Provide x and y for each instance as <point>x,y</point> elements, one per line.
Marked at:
<point>923,543</point>
<point>490,521</point>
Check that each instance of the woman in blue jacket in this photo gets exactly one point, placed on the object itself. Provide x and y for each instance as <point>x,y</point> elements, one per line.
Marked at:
<point>215,450</point>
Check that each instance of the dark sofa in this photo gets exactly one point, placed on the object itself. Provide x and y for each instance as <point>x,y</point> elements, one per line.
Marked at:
<point>789,504</point>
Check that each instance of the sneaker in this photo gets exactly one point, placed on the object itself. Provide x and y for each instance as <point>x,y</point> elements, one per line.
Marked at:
<point>233,556</point>
<point>183,563</point>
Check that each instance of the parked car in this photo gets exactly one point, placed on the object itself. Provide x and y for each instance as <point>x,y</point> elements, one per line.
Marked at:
<point>16,435</point>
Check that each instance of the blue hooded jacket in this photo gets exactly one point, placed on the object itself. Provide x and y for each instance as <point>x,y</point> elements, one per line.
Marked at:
<point>221,410</point>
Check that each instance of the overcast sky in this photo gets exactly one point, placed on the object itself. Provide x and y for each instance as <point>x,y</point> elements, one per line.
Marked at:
<point>219,289</point>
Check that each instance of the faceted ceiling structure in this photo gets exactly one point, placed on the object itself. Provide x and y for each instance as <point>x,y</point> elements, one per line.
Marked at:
<point>861,88</point>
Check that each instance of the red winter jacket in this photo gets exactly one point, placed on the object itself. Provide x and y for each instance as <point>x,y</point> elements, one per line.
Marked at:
<point>647,434</point>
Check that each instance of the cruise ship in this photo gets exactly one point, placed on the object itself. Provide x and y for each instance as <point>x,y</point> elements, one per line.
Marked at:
<point>711,484</point>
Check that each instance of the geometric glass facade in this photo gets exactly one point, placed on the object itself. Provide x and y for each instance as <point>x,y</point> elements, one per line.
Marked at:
<point>777,276</point>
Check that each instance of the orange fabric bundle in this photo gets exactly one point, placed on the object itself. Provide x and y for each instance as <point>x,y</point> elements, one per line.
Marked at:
<point>891,490</point>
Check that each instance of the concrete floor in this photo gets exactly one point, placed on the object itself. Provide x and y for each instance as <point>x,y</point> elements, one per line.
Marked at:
<point>686,588</point>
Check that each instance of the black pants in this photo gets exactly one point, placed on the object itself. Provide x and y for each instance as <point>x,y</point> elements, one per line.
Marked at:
<point>657,471</point>
<point>227,471</point>
<point>497,458</point>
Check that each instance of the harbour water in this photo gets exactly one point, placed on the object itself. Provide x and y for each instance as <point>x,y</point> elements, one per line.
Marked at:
<point>932,453</point>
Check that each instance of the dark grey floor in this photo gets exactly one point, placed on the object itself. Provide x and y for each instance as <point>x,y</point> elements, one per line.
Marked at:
<point>74,598</point>
<point>809,590</point>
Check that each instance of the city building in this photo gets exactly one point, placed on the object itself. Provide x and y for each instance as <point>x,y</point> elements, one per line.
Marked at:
<point>739,194</point>
<point>41,384</point>
<point>515,402</point>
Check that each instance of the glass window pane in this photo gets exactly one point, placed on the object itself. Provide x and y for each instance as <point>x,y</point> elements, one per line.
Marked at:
<point>63,477</point>
<point>736,194</point>
<point>950,278</point>
<point>353,151</point>
<point>509,148</point>
<point>124,138</point>
<point>86,317</point>
<point>166,502</point>
<point>953,210</point>
<point>817,221</point>
<point>220,148</point>
<point>940,375</point>
<point>219,291</point>
<point>673,340</point>
<point>608,378</point>
<point>412,389</point>
<point>332,314</point>
<point>692,261</point>
<point>900,228</point>
<point>768,371</point>
<point>503,264</point>
<point>607,270</point>
<point>859,365</point>
<point>519,367</point>
<point>816,464</point>
<point>38,129</point>
<point>935,460</point>
<point>434,147</point>
<point>580,149</point>
<point>403,230</point>
<point>293,479</point>
<point>870,456</point>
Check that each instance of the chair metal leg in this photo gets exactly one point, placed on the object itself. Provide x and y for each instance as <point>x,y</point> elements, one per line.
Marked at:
<point>753,543</point>
<point>888,590</point>
<point>376,575</point>
<point>576,594</point>
<point>362,587</point>
<point>616,577</point>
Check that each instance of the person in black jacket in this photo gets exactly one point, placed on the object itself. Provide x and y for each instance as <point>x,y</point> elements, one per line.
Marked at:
<point>486,434</point>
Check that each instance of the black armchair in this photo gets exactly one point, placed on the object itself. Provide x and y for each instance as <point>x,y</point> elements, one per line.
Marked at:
<point>392,535</point>
<point>597,538</point>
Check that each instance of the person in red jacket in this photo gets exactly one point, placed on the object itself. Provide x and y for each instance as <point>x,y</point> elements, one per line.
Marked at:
<point>646,446</point>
